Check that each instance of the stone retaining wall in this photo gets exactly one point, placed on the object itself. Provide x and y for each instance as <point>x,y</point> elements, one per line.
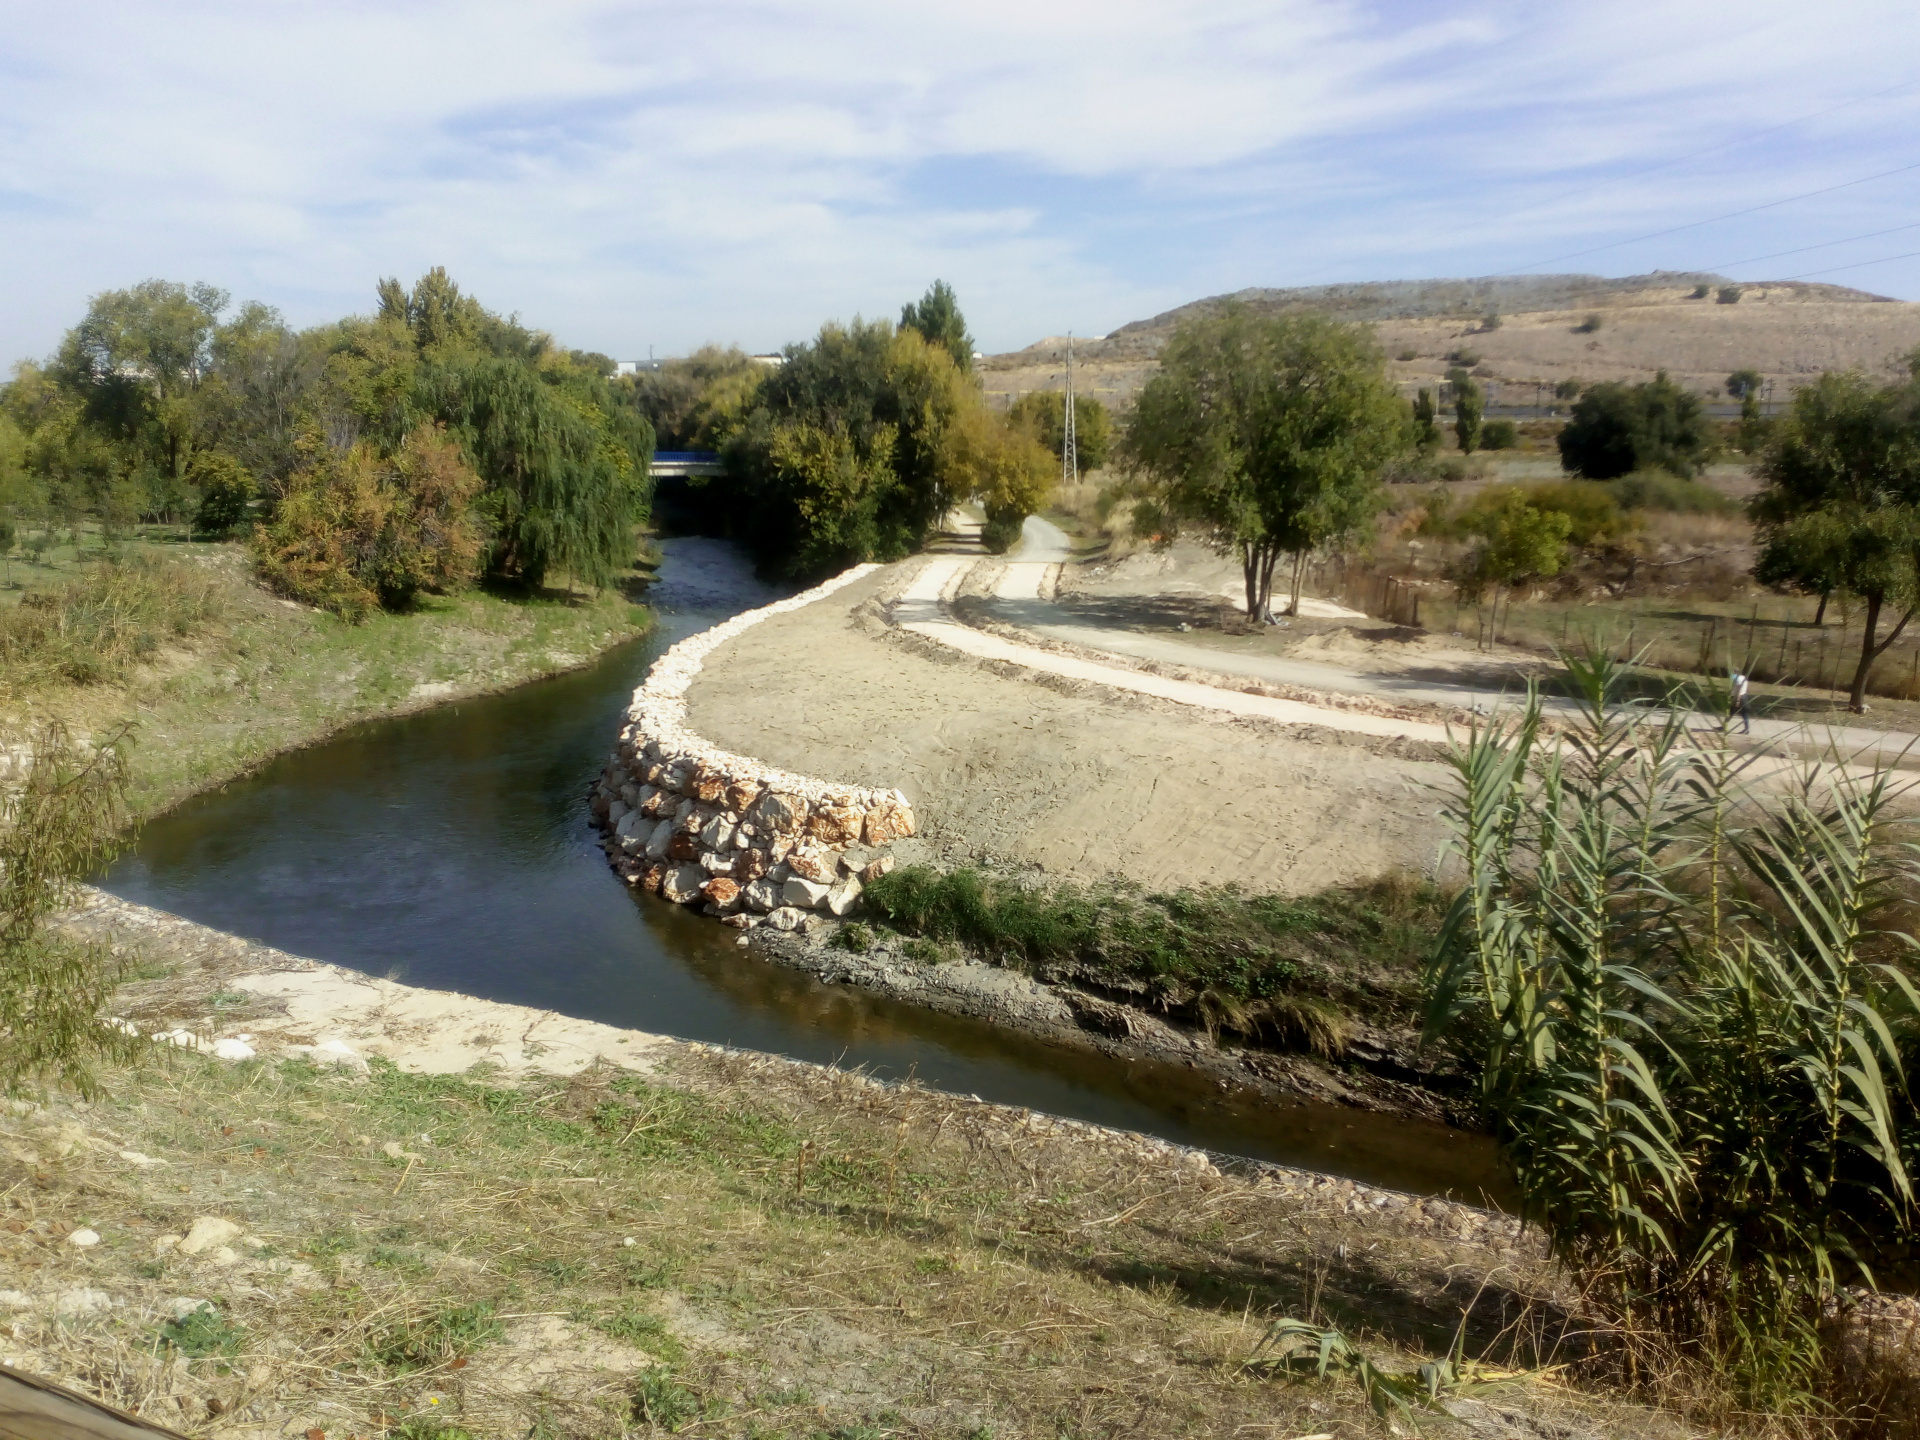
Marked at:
<point>747,842</point>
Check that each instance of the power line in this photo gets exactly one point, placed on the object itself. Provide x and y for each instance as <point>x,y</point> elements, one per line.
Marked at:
<point>1716,219</point>
<point>1823,245</point>
<point>1857,265</point>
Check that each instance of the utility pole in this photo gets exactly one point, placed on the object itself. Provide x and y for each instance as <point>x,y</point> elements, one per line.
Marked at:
<point>1069,446</point>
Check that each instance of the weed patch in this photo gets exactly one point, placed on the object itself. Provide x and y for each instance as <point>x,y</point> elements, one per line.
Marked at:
<point>203,1333</point>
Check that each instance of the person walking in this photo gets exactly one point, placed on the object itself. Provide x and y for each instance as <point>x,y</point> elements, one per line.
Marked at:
<point>1740,698</point>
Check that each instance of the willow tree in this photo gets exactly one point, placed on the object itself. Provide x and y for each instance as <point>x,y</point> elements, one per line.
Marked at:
<point>564,465</point>
<point>1268,434</point>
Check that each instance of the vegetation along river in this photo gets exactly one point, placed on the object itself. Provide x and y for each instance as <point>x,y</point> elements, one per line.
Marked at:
<point>450,849</point>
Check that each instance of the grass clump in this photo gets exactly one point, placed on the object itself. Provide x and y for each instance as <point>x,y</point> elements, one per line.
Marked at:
<point>661,1400</point>
<point>631,1326</point>
<point>203,1333</point>
<point>436,1338</point>
<point>94,630</point>
<point>1252,964</point>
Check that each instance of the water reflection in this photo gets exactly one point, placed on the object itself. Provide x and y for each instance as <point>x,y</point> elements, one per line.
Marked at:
<point>450,849</point>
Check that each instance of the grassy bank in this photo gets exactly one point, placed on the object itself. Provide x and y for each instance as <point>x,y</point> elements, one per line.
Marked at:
<point>736,1247</point>
<point>217,674</point>
<point>1296,974</point>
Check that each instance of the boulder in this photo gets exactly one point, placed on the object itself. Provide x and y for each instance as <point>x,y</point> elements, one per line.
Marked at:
<point>750,864</point>
<point>683,883</point>
<point>836,825</point>
<point>714,863</point>
<point>787,918</point>
<point>889,820</point>
<point>875,868</point>
<point>806,894</point>
<point>659,840</point>
<point>206,1233</point>
<point>685,845</point>
<point>717,833</point>
<point>630,795</point>
<point>778,814</point>
<point>812,862</point>
<point>709,786</point>
<point>651,877</point>
<point>761,895</point>
<point>629,824</point>
<point>616,812</point>
<point>655,802</point>
<point>844,897</point>
<point>740,796</point>
<point>677,776</point>
<point>722,894</point>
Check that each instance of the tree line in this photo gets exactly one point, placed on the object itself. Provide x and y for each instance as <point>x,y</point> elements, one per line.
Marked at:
<point>428,446</point>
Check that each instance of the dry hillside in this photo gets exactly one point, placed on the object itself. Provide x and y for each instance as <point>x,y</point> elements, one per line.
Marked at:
<point>1787,331</point>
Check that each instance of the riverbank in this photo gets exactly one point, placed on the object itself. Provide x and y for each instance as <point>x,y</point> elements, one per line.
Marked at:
<point>598,1238</point>
<point>263,675</point>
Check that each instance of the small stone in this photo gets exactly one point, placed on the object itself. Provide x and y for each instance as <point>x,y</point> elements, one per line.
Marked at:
<point>683,883</point>
<point>761,895</point>
<point>222,1255</point>
<point>806,894</point>
<point>709,787</point>
<point>741,795</point>
<point>207,1232</point>
<point>787,918</point>
<point>84,1238</point>
<point>715,864</point>
<point>652,878</point>
<point>844,897</point>
<point>82,1300</point>
<point>232,1049</point>
<point>874,869</point>
<point>739,920</point>
<point>751,865</point>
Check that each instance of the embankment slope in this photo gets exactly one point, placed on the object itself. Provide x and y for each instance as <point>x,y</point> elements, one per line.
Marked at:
<point>1075,779</point>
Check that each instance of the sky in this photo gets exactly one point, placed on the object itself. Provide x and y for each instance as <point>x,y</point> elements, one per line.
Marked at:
<point>653,176</point>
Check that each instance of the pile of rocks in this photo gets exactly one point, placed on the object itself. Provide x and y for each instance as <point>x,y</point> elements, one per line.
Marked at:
<point>747,842</point>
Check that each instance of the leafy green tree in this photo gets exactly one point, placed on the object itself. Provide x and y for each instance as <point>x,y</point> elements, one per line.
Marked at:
<point>1270,434</point>
<point>356,531</point>
<point>1841,504</point>
<point>1045,412</point>
<point>1426,422</point>
<point>936,315</point>
<point>1745,386</point>
<point>695,403</point>
<point>1469,410</point>
<point>226,492</point>
<point>1517,541</point>
<point>1616,429</point>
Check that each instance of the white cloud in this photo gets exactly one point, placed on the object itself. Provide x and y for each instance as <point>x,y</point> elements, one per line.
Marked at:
<point>738,170</point>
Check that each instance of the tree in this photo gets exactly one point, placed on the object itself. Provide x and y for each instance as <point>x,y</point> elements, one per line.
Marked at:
<point>695,403</point>
<point>61,811</point>
<point>1045,412</point>
<point>1426,422</point>
<point>1616,429</point>
<point>1568,389</point>
<point>1518,541</point>
<point>936,315</point>
<point>356,531</point>
<point>8,536</point>
<point>1469,408</point>
<point>1744,386</point>
<point>1269,433</point>
<point>1841,503</point>
<point>226,492</point>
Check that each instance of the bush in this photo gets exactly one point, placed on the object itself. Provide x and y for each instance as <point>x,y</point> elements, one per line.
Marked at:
<point>1464,357</point>
<point>1700,292</point>
<point>1568,390</point>
<point>1499,435</point>
<point>1728,295</point>
<point>1589,325</point>
<point>1616,429</point>
<point>95,629</point>
<point>356,532</point>
<point>226,492</point>
<point>1406,355</point>
<point>1491,321</point>
<point>1657,490</point>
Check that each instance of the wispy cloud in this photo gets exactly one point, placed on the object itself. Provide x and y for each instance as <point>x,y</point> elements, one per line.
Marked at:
<point>637,173</point>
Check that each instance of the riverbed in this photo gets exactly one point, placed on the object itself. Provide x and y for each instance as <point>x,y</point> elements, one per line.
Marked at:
<point>450,849</point>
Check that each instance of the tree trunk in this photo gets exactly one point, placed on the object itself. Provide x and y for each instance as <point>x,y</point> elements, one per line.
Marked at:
<point>1820,615</point>
<point>1870,652</point>
<point>1269,559</point>
<point>1250,569</point>
<point>1293,596</point>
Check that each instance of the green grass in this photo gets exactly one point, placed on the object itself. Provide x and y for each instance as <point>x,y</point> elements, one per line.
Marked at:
<point>203,1333</point>
<point>1214,954</point>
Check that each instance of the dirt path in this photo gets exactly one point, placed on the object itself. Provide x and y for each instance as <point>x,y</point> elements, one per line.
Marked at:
<point>1062,767</point>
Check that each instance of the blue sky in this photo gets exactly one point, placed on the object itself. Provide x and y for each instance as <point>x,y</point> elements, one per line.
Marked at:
<point>636,174</point>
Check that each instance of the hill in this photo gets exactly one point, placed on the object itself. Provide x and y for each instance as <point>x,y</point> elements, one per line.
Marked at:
<point>1787,330</point>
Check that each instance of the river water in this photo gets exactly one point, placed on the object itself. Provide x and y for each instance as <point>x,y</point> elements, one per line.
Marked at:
<point>451,849</point>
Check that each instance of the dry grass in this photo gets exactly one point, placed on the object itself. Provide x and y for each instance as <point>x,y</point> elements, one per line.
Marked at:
<point>743,1247</point>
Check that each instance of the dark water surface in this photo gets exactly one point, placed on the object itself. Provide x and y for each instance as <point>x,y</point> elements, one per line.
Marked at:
<point>450,849</point>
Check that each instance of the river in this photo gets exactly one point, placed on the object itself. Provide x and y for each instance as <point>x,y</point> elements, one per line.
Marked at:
<point>451,849</point>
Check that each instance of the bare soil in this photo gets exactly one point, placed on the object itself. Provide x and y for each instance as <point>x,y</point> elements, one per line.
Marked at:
<point>1006,768</point>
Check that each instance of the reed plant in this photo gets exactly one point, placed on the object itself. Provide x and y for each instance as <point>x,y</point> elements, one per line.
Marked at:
<point>1690,1011</point>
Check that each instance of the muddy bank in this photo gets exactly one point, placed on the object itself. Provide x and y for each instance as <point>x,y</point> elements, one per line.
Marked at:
<point>1381,1070</point>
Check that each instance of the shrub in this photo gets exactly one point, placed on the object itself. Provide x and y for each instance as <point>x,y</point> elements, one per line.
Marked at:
<point>1700,292</point>
<point>1728,295</point>
<point>1499,435</point>
<point>226,492</point>
<point>203,1332</point>
<point>355,532</point>
<point>1567,390</point>
<point>1464,357</point>
<point>1406,355</point>
<point>1589,325</point>
<point>1657,490</point>
<point>1616,429</point>
<point>1491,321</point>
<point>93,630</point>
